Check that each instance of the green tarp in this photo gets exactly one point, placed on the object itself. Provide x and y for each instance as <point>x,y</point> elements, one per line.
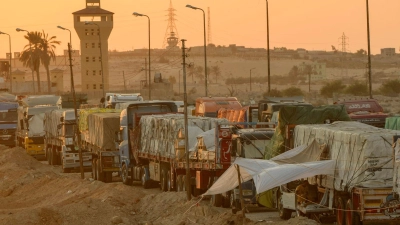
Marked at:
<point>302,115</point>
<point>392,123</point>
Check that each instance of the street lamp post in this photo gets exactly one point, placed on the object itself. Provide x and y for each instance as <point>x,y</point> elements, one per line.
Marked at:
<point>205,48</point>
<point>269,65</point>
<point>70,42</point>
<point>250,77</point>
<point>369,54</point>
<point>138,14</point>
<point>78,135</point>
<point>101,57</point>
<point>10,77</point>
<point>30,50</point>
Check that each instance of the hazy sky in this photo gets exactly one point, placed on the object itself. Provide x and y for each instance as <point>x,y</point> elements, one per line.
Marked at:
<point>310,24</point>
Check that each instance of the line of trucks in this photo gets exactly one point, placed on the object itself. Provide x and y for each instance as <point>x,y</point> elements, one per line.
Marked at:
<point>144,141</point>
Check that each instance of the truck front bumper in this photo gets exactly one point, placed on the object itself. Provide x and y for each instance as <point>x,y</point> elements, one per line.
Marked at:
<point>71,160</point>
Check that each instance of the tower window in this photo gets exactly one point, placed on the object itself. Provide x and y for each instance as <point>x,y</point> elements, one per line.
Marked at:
<point>99,59</point>
<point>99,45</point>
<point>94,59</point>
<point>101,86</point>
<point>92,32</point>
<point>87,72</point>
<point>86,32</point>
<point>94,86</point>
<point>86,45</point>
<point>93,45</point>
<point>87,59</point>
<point>94,72</point>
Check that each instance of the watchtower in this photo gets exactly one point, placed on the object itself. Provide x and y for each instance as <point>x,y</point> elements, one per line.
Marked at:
<point>93,26</point>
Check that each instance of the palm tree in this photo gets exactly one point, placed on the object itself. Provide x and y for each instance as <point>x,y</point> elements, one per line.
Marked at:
<point>34,39</point>
<point>47,46</point>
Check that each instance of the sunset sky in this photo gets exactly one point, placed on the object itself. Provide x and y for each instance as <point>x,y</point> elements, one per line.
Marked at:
<point>310,24</point>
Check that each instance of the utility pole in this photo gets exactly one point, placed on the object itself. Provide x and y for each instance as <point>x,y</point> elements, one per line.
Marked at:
<point>188,191</point>
<point>77,132</point>
<point>369,55</point>
<point>123,76</point>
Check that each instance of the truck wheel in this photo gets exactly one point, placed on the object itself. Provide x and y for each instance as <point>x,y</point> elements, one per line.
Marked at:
<point>179,183</point>
<point>339,212</point>
<point>227,199</point>
<point>352,216</point>
<point>100,175</point>
<point>94,170</point>
<point>216,200</point>
<point>108,177</point>
<point>163,180</point>
<point>54,160</point>
<point>284,213</point>
<point>125,175</point>
<point>183,182</point>
<point>171,186</point>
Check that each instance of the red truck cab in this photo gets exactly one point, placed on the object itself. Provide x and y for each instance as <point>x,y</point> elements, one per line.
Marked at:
<point>365,111</point>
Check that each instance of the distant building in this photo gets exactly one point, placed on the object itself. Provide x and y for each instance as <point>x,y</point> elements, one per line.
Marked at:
<point>94,44</point>
<point>318,70</point>
<point>388,51</point>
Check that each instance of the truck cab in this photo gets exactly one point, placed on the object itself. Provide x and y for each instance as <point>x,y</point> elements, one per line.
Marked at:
<point>367,111</point>
<point>209,106</point>
<point>8,123</point>
<point>113,99</point>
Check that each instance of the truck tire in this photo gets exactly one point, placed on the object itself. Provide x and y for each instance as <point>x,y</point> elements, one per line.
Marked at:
<point>107,177</point>
<point>94,169</point>
<point>163,180</point>
<point>352,216</point>
<point>284,213</point>
<point>216,200</point>
<point>340,214</point>
<point>184,183</point>
<point>48,149</point>
<point>125,175</point>
<point>100,174</point>
<point>179,183</point>
<point>171,185</point>
<point>54,160</point>
<point>227,200</point>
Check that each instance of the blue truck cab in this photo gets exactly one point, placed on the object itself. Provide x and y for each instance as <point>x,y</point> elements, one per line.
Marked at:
<point>8,123</point>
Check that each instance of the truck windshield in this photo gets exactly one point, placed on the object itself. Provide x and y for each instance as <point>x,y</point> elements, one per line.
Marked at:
<point>69,130</point>
<point>8,116</point>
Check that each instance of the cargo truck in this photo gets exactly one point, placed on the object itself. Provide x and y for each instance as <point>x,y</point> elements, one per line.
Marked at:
<point>114,98</point>
<point>8,123</point>
<point>361,189</point>
<point>60,140</point>
<point>98,131</point>
<point>152,148</point>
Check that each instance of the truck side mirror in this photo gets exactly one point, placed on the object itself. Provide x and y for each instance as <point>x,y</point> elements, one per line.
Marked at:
<point>61,120</point>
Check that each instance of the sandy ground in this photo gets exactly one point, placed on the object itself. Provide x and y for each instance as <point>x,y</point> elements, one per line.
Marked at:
<point>32,192</point>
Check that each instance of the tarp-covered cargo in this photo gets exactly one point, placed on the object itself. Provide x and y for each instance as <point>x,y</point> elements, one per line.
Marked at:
<point>293,115</point>
<point>52,120</point>
<point>102,128</point>
<point>159,132</point>
<point>83,114</point>
<point>35,100</point>
<point>363,153</point>
<point>392,123</point>
<point>35,117</point>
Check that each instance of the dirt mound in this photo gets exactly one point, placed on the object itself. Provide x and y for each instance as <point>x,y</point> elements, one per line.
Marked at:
<point>32,192</point>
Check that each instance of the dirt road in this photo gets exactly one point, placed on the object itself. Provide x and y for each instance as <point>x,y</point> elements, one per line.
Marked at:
<point>32,192</point>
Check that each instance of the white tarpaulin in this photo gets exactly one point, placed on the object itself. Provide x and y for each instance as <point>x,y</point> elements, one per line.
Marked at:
<point>268,173</point>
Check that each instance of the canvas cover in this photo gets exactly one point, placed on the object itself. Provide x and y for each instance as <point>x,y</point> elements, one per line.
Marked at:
<point>35,100</point>
<point>268,174</point>
<point>83,114</point>
<point>52,120</point>
<point>363,153</point>
<point>396,174</point>
<point>159,132</point>
<point>102,128</point>
<point>301,115</point>
<point>35,117</point>
<point>392,123</point>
